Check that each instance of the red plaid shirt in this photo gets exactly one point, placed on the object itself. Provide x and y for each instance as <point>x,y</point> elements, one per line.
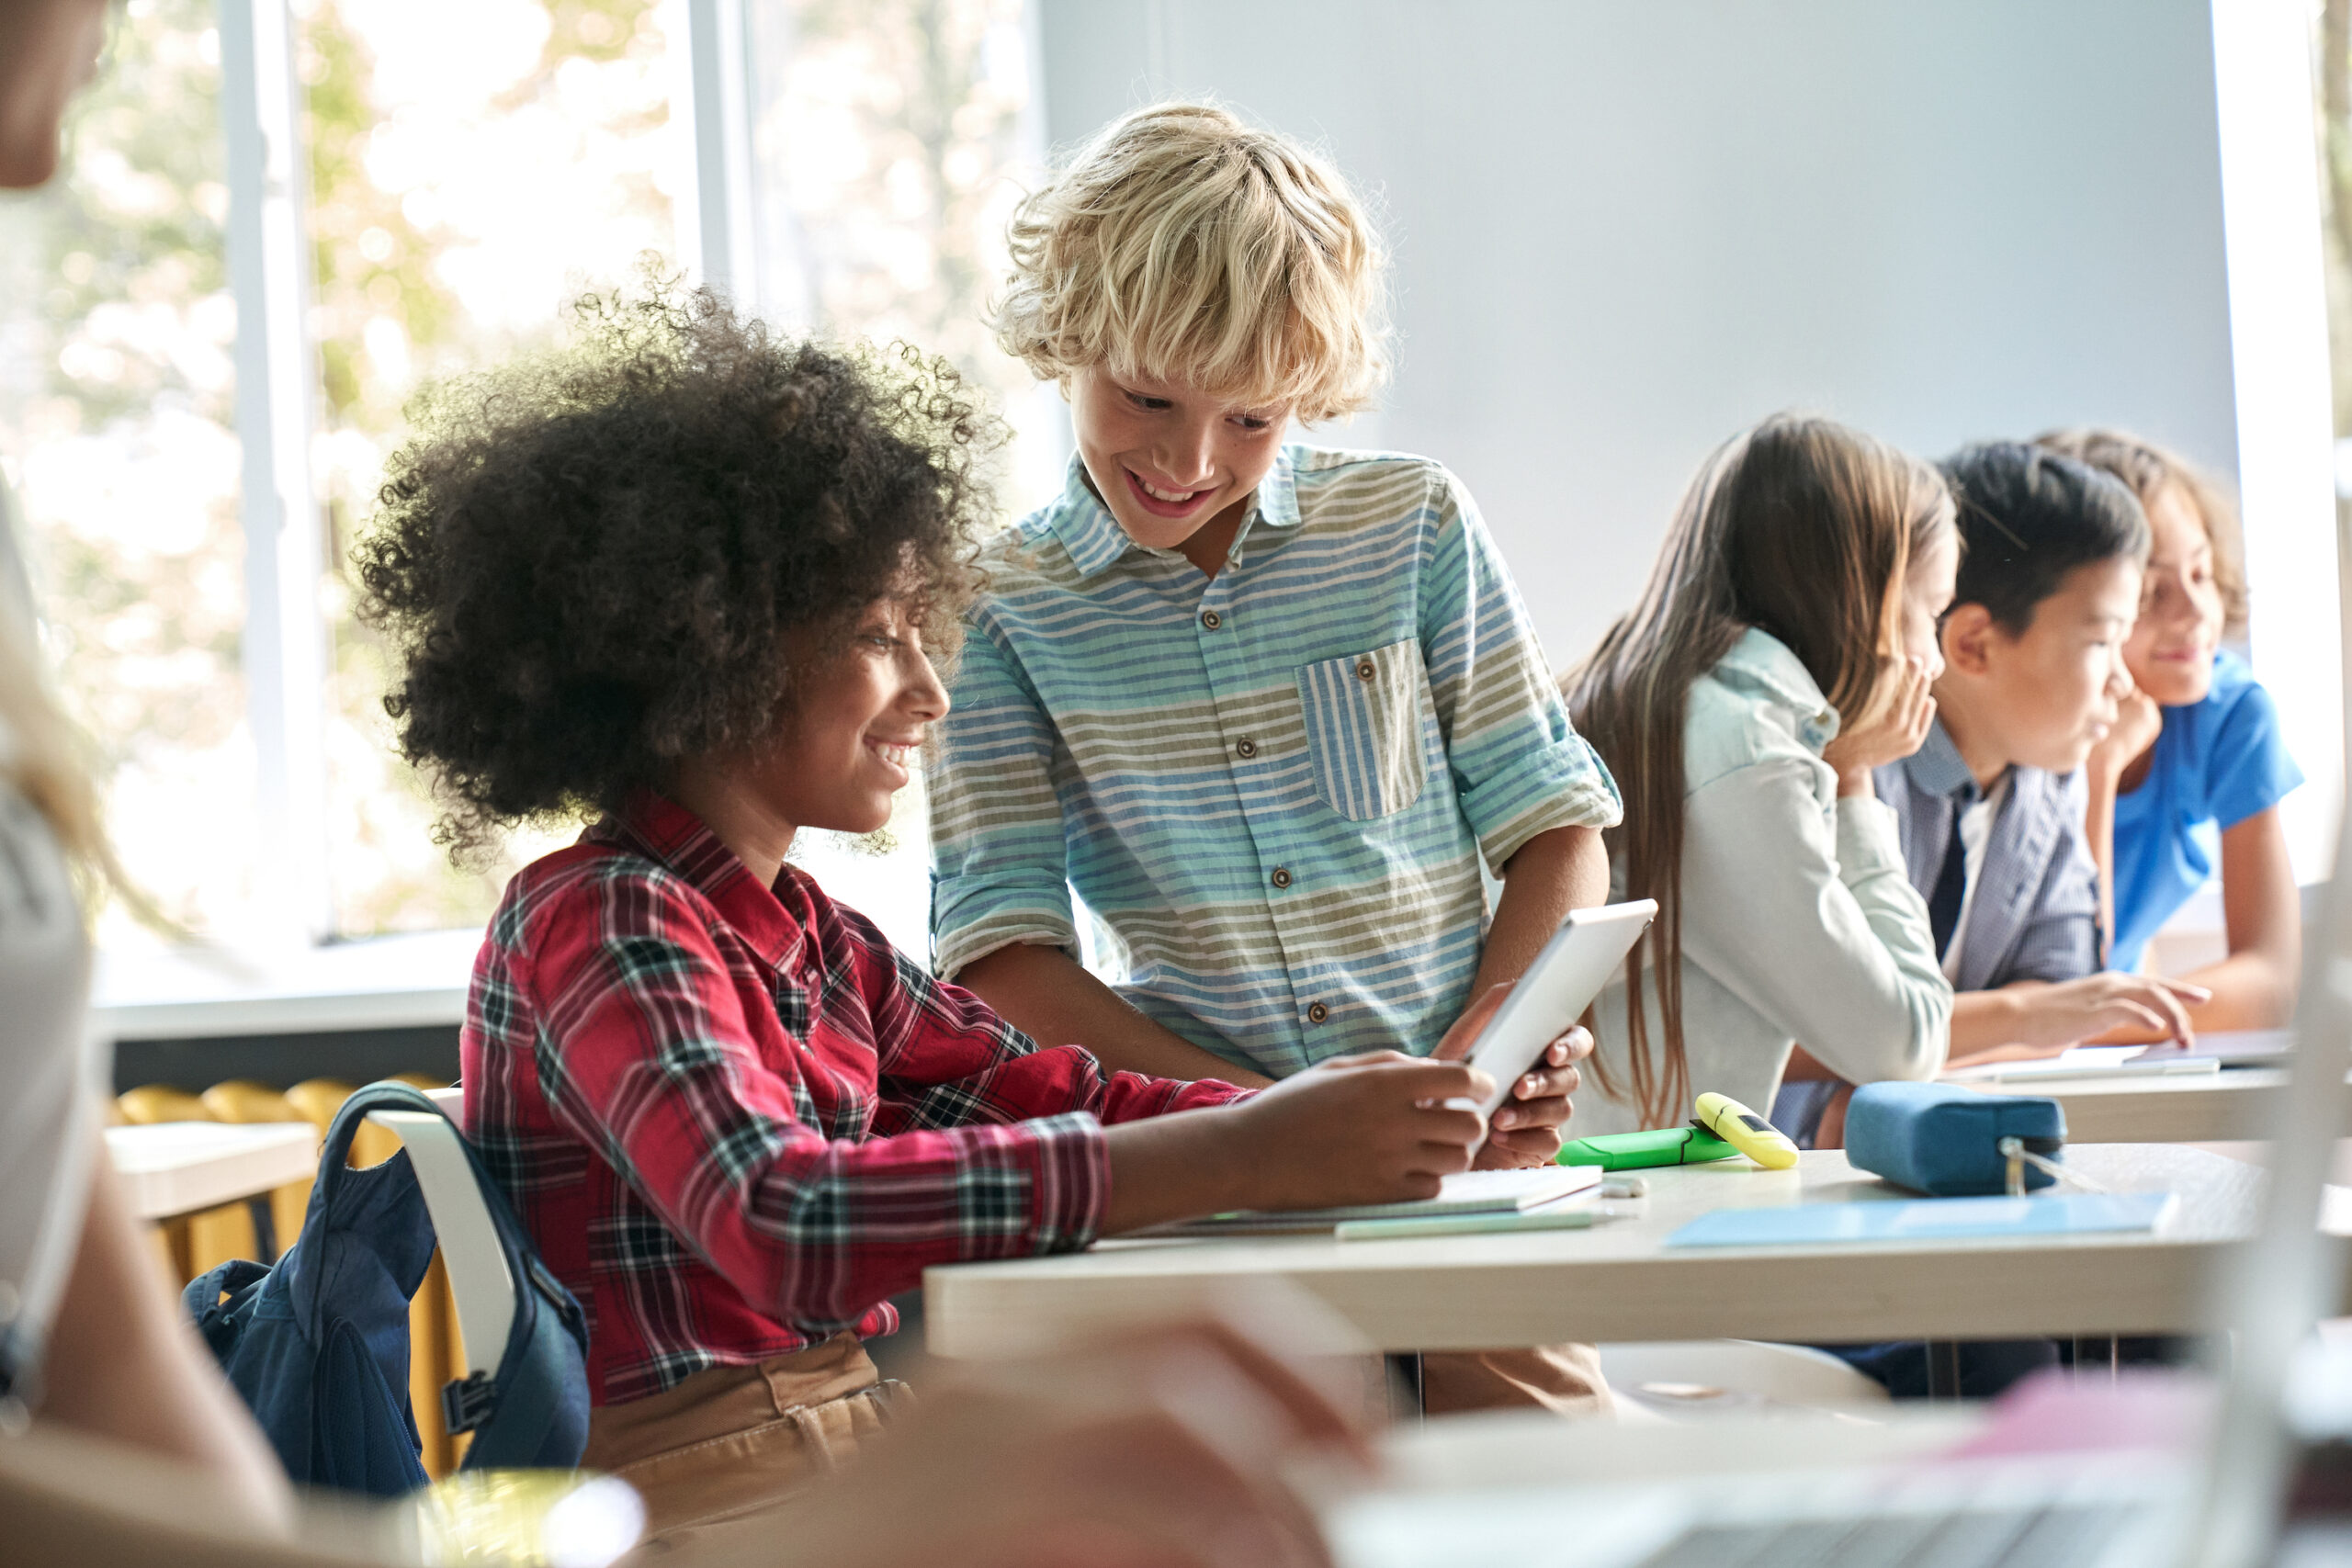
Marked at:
<point>735,1119</point>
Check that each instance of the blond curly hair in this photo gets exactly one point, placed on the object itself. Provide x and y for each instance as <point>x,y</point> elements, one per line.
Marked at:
<point>1182,243</point>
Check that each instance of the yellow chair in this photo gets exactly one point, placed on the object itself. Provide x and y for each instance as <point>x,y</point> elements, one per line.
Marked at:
<point>192,1243</point>
<point>437,1353</point>
<point>244,1101</point>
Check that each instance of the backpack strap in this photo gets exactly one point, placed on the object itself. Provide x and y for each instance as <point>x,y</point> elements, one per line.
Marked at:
<point>216,1319</point>
<point>468,1402</point>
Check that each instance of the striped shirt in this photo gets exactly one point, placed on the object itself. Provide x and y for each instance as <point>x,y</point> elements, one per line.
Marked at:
<point>1272,788</point>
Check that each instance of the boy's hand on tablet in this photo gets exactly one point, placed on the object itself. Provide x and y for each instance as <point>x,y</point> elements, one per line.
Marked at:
<point>1526,1128</point>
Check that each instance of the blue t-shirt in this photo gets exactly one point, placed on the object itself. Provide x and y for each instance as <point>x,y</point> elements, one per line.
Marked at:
<point>2218,762</point>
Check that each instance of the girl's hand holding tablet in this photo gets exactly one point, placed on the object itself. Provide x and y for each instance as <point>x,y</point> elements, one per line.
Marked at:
<point>1370,1129</point>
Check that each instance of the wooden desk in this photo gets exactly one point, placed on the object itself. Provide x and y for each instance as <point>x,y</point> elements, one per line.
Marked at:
<point>2232,1106</point>
<point>1616,1281</point>
<point>177,1167</point>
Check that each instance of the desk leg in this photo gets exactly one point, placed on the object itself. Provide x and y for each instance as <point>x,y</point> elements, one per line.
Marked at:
<point>2090,1352</point>
<point>1407,1402</point>
<point>1943,1369</point>
<point>265,1228</point>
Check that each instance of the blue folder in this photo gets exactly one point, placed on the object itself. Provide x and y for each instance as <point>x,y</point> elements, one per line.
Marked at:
<point>1928,1219</point>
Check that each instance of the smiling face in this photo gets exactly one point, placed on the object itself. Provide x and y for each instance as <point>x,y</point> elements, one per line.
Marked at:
<point>2171,649</point>
<point>2045,696</point>
<point>1166,458</point>
<point>847,744</point>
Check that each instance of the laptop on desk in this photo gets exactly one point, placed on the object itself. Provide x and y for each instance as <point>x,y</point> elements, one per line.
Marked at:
<point>2230,1048</point>
<point>2209,1501</point>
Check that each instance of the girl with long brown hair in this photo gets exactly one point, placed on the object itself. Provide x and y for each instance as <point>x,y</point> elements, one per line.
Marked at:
<point>1783,647</point>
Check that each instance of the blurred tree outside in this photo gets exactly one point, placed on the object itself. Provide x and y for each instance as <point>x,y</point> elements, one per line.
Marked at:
<point>474,166</point>
<point>889,150</point>
<point>460,197</point>
<point>118,433</point>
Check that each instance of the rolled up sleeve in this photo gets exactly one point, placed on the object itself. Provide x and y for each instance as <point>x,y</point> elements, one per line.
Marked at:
<point>999,862</point>
<point>1518,766</point>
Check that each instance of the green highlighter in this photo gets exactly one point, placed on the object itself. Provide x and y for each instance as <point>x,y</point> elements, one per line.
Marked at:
<point>1635,1151</point>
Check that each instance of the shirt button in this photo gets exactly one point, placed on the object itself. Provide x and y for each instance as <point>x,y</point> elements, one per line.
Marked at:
<point>1317,1013</point>
<point>1282,876</point>
<point>1211,619</point>
<point>1365,670</point>
<point>1244,747</point>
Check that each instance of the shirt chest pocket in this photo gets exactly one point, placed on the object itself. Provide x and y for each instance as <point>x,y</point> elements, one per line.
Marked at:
<point>1364,729</point>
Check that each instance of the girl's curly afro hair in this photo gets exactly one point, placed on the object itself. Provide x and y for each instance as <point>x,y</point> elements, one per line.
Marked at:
<point>587,561</point>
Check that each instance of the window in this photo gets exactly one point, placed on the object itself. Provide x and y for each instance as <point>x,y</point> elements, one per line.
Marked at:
<point>459,199</point>
<point>117,433</point>
<point>889,142</point>
<point>445,203</point>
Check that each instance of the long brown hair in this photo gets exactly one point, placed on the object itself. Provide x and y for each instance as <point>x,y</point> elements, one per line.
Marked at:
<point>1799,527</point>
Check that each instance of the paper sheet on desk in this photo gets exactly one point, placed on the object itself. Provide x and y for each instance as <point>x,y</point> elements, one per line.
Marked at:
<point>1464,1192</point>
<point>2089,1062</point>
<point>1929,1219</point>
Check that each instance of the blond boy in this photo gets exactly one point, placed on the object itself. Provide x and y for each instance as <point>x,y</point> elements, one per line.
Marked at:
<point>1265,708</point>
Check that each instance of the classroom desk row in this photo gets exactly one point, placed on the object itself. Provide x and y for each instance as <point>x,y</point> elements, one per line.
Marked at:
<point>2230,1106</point>
<point>1619,1281</point>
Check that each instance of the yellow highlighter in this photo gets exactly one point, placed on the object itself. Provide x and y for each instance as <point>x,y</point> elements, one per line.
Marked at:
<point>1744,1129</point>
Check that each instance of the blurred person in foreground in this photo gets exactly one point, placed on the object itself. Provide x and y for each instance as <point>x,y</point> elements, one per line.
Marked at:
<point>90,1334</point>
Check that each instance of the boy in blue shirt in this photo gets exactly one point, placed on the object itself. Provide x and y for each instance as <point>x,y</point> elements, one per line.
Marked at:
<point>1991,805</point>
<point>1268,709</point>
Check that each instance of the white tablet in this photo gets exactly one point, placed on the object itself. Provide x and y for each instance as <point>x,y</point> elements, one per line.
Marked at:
<point>1570,971</point>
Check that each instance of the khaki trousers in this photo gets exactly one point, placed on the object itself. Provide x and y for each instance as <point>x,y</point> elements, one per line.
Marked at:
<point>1562,1378</point>
<point>730,1443</point>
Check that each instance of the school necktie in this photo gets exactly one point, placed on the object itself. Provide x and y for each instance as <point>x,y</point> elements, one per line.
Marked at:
<point>1952,882</point>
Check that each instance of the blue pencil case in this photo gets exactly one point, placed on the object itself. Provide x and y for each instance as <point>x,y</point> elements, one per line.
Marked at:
<point>1946,1141</point>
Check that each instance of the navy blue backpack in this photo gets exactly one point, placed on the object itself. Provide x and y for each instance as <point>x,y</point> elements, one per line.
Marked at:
<point>318,1345</point>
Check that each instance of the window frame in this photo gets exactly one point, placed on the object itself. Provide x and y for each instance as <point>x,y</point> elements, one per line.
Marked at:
<point>285,643</point>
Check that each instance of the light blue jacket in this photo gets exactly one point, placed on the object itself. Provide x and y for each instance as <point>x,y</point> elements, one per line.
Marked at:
<point>1798,920</point>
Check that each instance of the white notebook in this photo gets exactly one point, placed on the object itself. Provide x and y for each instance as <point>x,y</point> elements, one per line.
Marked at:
<point>1466,1192</point>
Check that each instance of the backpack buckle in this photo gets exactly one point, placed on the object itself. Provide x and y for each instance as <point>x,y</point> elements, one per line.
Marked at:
<point>466,1401</point>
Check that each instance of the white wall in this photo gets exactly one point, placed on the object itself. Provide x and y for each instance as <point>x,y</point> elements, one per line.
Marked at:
<point>1621,232</point>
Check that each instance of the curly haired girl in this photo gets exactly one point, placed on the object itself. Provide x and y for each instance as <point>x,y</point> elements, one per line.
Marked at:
<point>679,578</point>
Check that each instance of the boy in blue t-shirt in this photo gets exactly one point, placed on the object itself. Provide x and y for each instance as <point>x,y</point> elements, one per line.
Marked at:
<point>2195,768</point>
